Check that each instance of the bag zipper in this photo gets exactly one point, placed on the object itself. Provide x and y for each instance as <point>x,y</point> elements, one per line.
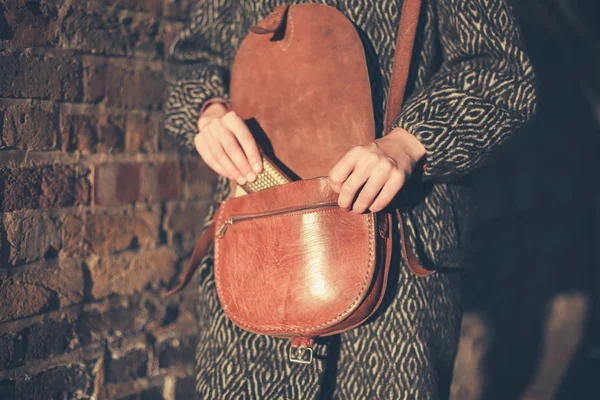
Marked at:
<point>233,220</point>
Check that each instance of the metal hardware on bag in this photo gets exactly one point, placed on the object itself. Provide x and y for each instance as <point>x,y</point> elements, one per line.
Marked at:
<point>300,355</point>
<point>223,228</point>
<point>233,220</point>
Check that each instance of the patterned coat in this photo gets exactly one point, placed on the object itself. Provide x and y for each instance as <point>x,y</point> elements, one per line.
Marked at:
<point>471,87</point>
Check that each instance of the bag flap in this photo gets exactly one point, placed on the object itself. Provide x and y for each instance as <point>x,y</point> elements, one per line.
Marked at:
<point>303,88</point>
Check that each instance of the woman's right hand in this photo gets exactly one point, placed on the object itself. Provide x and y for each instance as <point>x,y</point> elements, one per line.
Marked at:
<point>226,145</point>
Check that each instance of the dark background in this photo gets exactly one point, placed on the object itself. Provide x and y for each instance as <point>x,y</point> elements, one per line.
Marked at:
<point>532,288</point>
<point>99,211</point>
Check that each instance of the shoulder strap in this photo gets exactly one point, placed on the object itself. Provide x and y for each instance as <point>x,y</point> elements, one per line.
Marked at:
<point>409,19</point>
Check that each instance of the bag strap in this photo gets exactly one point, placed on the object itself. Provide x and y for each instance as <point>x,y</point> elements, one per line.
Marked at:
<point>407,30</point>
<point>197,255</point>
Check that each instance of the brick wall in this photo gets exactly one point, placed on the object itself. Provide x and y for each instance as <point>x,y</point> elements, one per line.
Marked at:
<point>99,210</point>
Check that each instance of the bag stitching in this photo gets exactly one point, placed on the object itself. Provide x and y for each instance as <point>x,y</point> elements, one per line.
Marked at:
<point>329,323</point>
<point>289,40</point>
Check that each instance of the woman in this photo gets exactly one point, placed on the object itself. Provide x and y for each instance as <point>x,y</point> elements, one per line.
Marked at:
<point>471,87</point>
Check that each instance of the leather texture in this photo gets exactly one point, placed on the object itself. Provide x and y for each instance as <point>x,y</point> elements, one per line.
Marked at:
<point>292,263</point>
<point>405,41</point>
<point>307,101</point>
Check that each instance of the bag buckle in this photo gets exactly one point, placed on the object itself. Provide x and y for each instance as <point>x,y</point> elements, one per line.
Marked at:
<point>301,355</point>
<point>301,351</point>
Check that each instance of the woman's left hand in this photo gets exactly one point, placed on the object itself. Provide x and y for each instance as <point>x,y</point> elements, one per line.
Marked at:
<point>380,168</point>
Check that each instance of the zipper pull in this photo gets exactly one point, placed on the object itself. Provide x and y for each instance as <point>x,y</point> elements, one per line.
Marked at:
<point>223,228</point>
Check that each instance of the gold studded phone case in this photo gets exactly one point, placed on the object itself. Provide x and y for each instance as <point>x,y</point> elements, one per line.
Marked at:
<point>270,176</point>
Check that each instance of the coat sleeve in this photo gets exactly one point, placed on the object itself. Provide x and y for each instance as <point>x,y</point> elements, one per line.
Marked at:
<point>483,93</point>
<point>200,58</point>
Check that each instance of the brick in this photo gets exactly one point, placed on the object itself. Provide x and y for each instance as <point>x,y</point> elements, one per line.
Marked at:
<point>198,179</point>
<point>58,383</point>
<point>129,366</point>
<point>142,133</point>
<point>95,326</point>
<point>131,272</point>
<point>121,318</point>
<point>29,236</point>
<point>110,231</point>
<point>176,352</point>
<point>78,132</point>
<point>125,88</point>
<point>118,183</point>
<point>31,23</point>
<point>169,181</point>
<point>40,77</point>
<point>23,299</point>
<point>183,224</point>
<point>110,134</point>
<point>110,32</point>
<point>47,338</point>
<point>52,186</point>
<point>72,232</point>
<point>94,83</point>
<point>92,133</point>
<point>41,287</point>
<point>12,157</point>
<point>28,127</point>
<point>126,183</point>
<point>12,351</point>
<point>136,92</point>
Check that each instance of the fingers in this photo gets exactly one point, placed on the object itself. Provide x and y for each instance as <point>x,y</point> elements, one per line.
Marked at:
<point>361,173</point>
<point>227,146</point>
<point>232,121</point>
<point>221,157</point>
<point>366,178</point>
<point>342,170</point>
<point>378,178</point>
<point>389,191</point>
<point>231,153</point>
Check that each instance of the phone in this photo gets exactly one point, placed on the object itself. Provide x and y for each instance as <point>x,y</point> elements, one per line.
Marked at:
<point>270,176</point>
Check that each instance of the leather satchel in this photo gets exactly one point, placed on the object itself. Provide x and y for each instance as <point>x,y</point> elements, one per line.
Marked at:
<point>288,262</point>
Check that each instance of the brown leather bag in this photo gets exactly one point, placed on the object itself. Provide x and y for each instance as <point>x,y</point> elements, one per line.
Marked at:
<point>288,261</point>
